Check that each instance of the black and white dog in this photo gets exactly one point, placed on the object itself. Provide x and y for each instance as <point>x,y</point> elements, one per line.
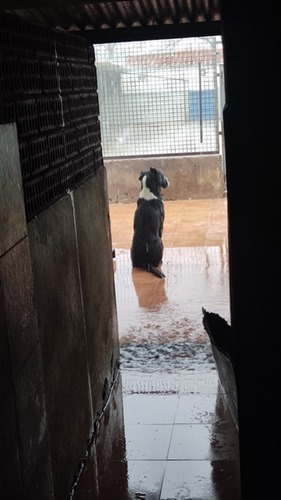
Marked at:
<point>147,245</point>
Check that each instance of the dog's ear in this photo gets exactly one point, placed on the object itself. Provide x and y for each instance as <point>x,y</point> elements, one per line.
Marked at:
<point>141,175</point>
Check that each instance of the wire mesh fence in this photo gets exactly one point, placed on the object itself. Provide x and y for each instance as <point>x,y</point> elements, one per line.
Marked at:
<point>159,97</point>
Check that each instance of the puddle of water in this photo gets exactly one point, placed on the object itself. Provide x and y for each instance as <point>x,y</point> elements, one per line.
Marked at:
<point>160,321</point>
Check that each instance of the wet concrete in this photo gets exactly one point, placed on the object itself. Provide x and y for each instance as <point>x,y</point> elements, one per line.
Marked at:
<point>160,321</point>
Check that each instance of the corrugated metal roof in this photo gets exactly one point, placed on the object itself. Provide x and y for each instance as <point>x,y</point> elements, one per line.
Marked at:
<point>99,15</point>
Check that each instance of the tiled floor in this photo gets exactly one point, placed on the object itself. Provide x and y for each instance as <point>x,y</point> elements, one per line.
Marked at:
<point>180,446</point>
<point>167,434</point>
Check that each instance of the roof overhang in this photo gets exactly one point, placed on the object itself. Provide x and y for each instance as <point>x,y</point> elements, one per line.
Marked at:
<point>119,20</point>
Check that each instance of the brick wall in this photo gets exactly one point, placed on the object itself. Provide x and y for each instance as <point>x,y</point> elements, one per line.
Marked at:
<point>48,87</point>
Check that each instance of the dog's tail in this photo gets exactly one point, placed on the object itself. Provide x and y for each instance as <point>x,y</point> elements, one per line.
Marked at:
<point>154,270</point>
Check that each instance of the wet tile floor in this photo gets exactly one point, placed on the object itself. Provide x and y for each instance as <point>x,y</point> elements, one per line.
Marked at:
<point>167,434</point>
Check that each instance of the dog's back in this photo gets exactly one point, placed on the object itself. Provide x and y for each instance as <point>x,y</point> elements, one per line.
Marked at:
<point>147,245</point>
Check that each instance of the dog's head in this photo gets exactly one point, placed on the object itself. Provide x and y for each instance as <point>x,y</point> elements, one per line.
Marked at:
<point>153,180</point>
